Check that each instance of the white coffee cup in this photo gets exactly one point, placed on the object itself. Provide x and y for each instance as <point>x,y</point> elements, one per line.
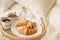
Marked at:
<point>6,22</point>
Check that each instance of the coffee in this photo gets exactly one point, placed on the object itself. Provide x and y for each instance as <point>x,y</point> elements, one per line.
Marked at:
<point>6,20</point>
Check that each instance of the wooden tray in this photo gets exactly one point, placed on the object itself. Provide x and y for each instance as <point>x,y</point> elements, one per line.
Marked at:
<point>8,34</point>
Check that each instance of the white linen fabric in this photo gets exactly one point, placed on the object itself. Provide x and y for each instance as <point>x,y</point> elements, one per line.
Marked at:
<point>53,29</point>
<point>5,4</point>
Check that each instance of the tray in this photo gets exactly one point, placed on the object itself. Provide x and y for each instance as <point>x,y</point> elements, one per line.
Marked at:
<point>8,34</point>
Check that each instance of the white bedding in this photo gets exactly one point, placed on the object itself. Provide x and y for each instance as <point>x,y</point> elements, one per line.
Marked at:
<point>53,29</point>
<point>6,4</point>
<point>54,19</point>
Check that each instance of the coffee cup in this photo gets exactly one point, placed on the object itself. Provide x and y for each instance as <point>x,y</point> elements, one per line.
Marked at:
<point>6,22</point>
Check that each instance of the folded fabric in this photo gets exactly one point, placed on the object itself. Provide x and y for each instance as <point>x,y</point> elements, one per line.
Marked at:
<point>6,4</point>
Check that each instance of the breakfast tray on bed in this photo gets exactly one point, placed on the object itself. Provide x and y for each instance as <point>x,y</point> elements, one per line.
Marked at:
<point>10,36</point>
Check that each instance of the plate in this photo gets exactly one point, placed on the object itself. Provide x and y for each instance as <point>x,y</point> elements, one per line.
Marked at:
<point>33,17</point>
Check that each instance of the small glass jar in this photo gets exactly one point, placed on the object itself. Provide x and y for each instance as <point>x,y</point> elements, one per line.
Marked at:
<point>13,16</point>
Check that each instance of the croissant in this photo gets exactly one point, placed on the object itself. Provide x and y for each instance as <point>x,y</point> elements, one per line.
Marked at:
<point>27,31</point>
<point>28,28</point>
<point>24,30</point>
<point>31,31</point>
<point>31,25</point>
<point>22,22</point>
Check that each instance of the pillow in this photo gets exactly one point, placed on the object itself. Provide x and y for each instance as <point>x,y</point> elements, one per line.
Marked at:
<point>41,6</point>
<point>6,4</point>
